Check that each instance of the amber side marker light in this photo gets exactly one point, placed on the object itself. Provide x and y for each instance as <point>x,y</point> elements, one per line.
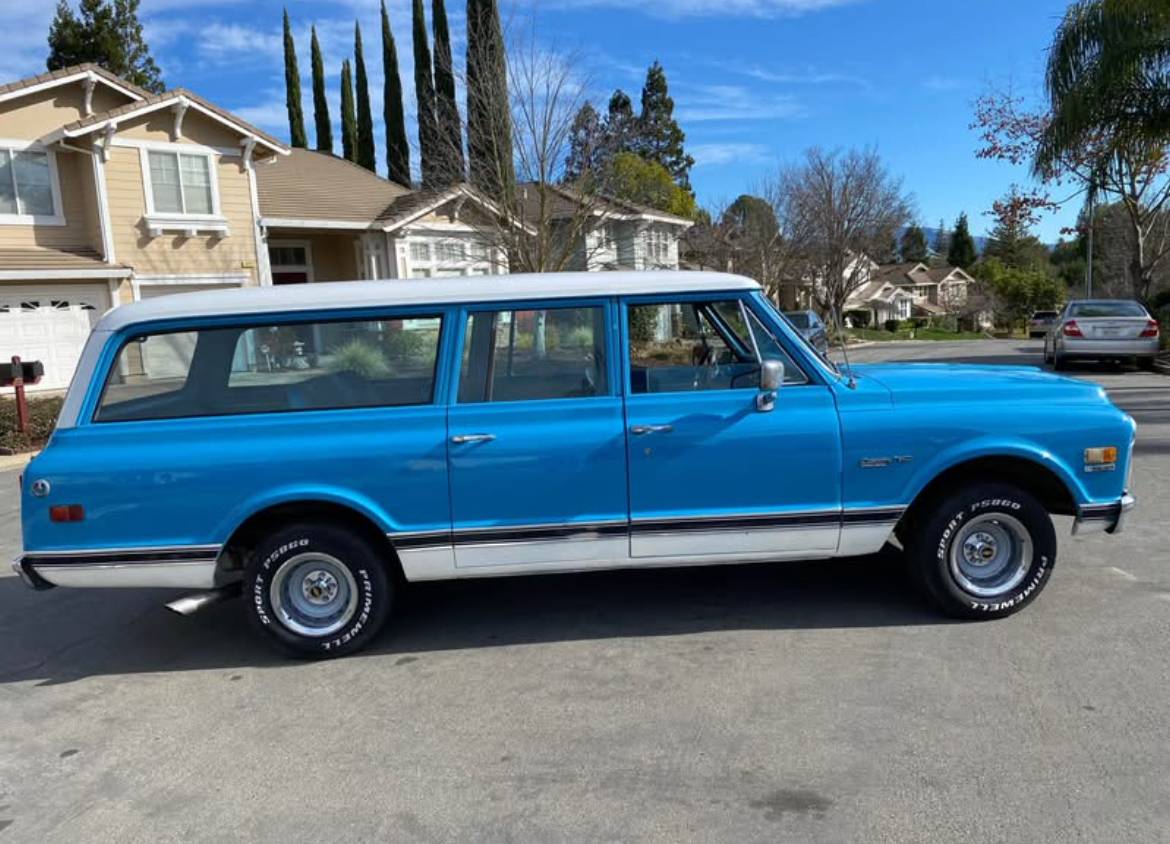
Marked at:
<point>1102,459</point>
<point>66,513</point>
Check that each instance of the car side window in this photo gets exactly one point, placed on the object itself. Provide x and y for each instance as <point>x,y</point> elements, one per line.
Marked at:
<point>273,368</point>
<point>692,346</point>
<point>530,354</point>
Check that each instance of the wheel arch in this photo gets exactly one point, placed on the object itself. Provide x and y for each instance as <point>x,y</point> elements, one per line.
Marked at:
<point>1028,473</point>
<point>251,530</point>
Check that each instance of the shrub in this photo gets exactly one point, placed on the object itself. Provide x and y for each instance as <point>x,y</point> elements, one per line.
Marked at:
<point>42,416</point>
<point>891,325</point>
<point>360,358</point>
<point>409,344</point>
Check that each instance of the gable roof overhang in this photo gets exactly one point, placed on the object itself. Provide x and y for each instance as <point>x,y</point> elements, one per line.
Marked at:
<point>109,120</point>
<point>415,206</point>
<point>612,208</point>
<point>67,76</point>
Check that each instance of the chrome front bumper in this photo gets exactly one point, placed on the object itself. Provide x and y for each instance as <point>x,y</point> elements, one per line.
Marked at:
<point>1094,518</point>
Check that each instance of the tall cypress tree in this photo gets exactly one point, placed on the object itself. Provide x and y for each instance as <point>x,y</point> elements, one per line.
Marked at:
<point>292,89</point>
<point>348,121</point>
<point>366,155</point>
<point>107,33</point>
<point>320,103</point>
<point>660,138</point>
<point>621,127</point>
<point>397,147</point>
<point>450,128</point>
<point>424,93</point>
<point>962,249</point>
<point>489,121</point>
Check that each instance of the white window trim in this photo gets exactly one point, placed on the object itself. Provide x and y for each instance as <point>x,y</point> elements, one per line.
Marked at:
<point>57,218</point>
<point>159,222</point>
<point>306,268</point>
<point>433,237</point>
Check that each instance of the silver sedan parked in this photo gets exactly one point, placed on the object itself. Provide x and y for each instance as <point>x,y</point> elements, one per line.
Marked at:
<point>1102,329</point>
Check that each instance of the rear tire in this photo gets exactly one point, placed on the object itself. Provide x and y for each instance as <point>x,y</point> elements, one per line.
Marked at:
<point>1058,361</point>
<point>1146,363</point>
<point>985,552</point>
<point>317,591</point>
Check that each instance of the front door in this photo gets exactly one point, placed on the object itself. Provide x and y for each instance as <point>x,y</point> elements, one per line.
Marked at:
<point>535,439</point>
<point>711,475</point>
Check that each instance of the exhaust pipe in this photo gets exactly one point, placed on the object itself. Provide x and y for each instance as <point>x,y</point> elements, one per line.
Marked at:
<point>193,603</point>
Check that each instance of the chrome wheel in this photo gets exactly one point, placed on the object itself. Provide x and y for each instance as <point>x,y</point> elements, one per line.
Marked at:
<point>991,555</point>
<point>313,594</point>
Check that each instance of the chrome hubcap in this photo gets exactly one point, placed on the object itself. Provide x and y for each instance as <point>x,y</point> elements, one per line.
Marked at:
<point>991,555</point>
<point>313,594</point>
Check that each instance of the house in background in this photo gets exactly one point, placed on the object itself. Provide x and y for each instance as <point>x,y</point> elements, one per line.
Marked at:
<point>617,235</point>
<point>900,291</point>
<point>109,194</point>
<point>327,219</point>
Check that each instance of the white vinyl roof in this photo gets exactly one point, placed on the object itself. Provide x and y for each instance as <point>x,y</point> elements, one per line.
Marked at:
<point>315,296</point>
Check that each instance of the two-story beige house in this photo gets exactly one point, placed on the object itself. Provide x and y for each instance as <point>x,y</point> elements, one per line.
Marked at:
<point>108,194</point>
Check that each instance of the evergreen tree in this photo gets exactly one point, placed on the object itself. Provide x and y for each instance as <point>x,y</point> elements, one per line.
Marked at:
<point>586,144</point>
<point>446,109</point>
<point>108,33</point>
<point>424,93</point>
<point>320,103</point>
<point>366,156</point>
<point>660,138</point>
<point>961,252</point>
<point>941,241</point>
<point>348,120</point>
<point>292,89</point>
<point>912,247</point>
<point>489,120</point>
<point>393,114</point>
<point>621,127</point>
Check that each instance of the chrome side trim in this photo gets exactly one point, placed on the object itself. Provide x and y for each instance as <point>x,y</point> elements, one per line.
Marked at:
<point>188,574</point>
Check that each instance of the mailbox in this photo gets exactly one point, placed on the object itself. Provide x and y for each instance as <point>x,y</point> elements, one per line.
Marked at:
<point>30,370</point>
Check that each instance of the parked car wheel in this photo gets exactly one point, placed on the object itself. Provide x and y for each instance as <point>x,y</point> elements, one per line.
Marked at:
<point>985,552</point>
<point>317,591</point>
<point>1146,362</point>
<point>1047,356</point>
<point>1058,361</point>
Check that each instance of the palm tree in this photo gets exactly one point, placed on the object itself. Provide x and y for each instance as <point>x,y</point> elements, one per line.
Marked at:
<point>1108,79</point>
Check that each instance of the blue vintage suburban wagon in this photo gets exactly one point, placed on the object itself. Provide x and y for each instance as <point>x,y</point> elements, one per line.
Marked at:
<point>315,445</point>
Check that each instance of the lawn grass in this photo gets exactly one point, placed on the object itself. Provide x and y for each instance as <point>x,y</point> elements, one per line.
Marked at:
<point>879,335</point>
<point>42,416</point>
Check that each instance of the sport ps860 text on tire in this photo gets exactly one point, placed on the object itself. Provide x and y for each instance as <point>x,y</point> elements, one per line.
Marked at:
<point>316,590</point>
<point>984,552</point>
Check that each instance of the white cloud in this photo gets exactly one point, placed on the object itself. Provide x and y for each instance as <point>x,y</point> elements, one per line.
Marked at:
<point>703,103</point>
<point>720,8</point>
<point>714,154</point>
<point>232,43</point>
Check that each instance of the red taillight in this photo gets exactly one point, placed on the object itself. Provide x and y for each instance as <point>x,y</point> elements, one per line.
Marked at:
<point>1151,329</point>
<point>66,513</point>
<point>1071,329</point>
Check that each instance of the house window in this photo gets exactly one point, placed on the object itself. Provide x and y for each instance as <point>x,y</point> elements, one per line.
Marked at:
<point>420,252</point>
<point>479,250</point>
<point>180,183</point>
<point>657,247</point>
<point>449,251</point>
<point>27,184</point>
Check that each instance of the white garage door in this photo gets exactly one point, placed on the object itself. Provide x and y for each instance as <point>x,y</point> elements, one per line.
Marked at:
<point>49,323</point>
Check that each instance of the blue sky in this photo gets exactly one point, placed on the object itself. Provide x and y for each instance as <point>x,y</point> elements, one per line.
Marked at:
<point>754,81</point>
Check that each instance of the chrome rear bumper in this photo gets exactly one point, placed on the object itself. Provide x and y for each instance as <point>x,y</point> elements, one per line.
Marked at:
<point>185,567</point>
<point>1094,518</point>
<point>31,579</point>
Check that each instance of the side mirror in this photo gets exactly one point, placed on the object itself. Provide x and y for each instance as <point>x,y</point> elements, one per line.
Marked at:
<point>771,377</point>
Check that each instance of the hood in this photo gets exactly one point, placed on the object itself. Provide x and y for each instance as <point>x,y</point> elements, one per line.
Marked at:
<point>933,382</point>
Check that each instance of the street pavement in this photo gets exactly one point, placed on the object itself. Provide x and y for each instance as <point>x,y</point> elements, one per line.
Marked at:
<point>786,702</point>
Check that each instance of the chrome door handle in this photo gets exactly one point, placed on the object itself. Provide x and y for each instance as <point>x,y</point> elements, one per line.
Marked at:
<point>638,430</point>
<point>472,438</point>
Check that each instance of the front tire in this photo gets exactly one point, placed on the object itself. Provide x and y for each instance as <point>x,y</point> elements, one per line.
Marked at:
<point>985,552</point>
<point>317,591</point>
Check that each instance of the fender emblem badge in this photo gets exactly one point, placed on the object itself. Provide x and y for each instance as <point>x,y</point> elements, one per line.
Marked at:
<point>40,488</point>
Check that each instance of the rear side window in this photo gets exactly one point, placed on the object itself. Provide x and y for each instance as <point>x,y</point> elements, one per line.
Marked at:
<point>273,368</point>
<point>524,355</point>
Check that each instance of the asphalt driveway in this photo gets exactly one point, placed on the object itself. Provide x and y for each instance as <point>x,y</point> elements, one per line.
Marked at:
<point>786,702</point>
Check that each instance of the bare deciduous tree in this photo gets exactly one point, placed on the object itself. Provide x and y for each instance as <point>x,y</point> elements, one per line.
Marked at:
<point>836,208</point>
<point>742,237</point>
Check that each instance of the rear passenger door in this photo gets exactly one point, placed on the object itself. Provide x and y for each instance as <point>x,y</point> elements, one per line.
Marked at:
<point>535,437</point>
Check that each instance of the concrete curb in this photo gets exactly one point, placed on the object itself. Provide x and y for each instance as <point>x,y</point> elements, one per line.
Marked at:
<point>15,461</point>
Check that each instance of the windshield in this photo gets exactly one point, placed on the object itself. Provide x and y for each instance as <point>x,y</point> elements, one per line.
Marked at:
<point>1107,309</point>
<point>799,319</point>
